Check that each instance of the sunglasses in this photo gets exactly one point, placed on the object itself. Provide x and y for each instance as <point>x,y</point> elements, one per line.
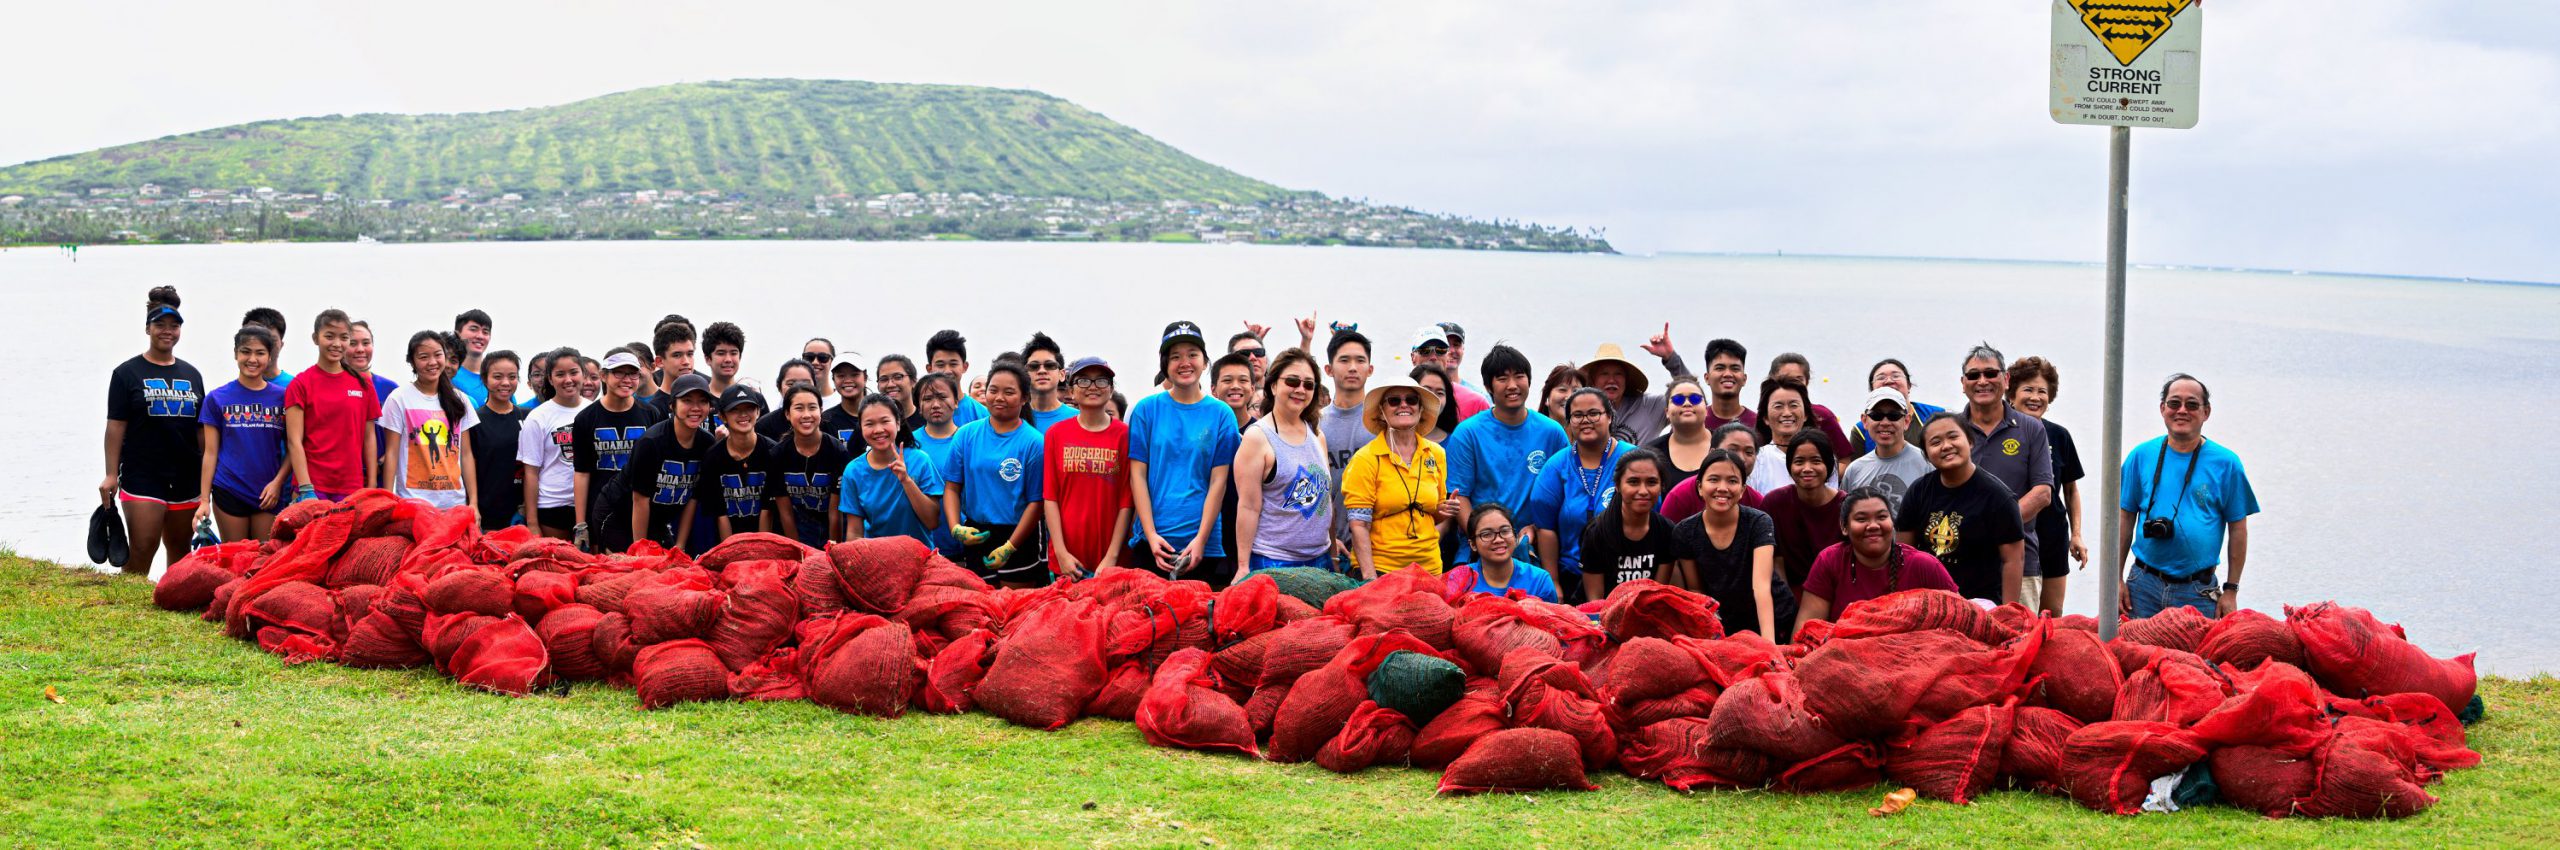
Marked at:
<point>1254,353</point>
<point>1688,399</point>
<point>818,357</point>
<point>1981,374</point>
<point>1885,414</point>
<point>1401,401</point>
<point>1042,366</point>
<point>1297,382</point>
<point>2181,404</point>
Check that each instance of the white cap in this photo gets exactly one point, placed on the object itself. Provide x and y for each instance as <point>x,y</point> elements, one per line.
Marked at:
<point>1881,395</point>
<point>620,359</point>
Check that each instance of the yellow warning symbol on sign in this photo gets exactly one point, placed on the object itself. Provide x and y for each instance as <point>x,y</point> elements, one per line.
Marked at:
<point>2129,27</point>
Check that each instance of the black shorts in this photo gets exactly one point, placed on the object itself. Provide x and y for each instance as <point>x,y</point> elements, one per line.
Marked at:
<point>1030,563</point>
<point>564,517</point>
<point>1213,571</point>
<point>231,505</point>
<point>165,486</point>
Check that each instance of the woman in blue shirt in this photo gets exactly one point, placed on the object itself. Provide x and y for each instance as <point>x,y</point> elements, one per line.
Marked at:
<point>888,490</point>
<point>1495,537</point>
<point>243,424</point>
<point>1568,494</point>
<point>991,487</point>
<point>937,397</point>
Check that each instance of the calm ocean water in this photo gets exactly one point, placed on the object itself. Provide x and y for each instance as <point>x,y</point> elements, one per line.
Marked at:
<point>2332,389</point>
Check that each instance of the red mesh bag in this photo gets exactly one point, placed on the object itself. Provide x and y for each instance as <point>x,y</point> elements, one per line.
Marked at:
<point>941,614</point>
<point>445,633</point>
<point>1048,666</point>
<point>1293,609</point>
<point>443,528</point>
<point>752,546</point>
<point>2132,657</point>
<point>291,519</point>
<point>388,636</point>
<point>529,547</point>
<point>189,584</point>
<point>1736,657</point>
<point>1957,759</point>
<point>815,582</point>
<point>473,591</point>
<point>1490,627</point>
<point>297,620</point>
<point>2356,656</point>
<point>2277,706</point>
<point>496,547</point>
<point>614,647</point>
<point>2178,627</point>
<point>1149,628</point>
<point>1868,687</point>
<point>941,571</point>
<point>1302,646</point>
<point>2247,639</point>
<point>1646,669</point>
<point>1678,752</point>
<point>504,657</point>
<point>2076,674</point>
<point>679,671</point>
<point>2179,689</point>
<point>371,560</point>
<point>569,638</point>
<point>1373,736</point>
<point>773,678</point>
<point>864,665</point>
<point>1477,714</point>
<point>2439,735</point>
<point>1849,767</point>
<point>758,612</point>
<point>672,605</point>
<point>1184,709</point>
<point>952,677</point>
<point>1320,702</point>
<point>2033,757</point>
<point>2265,780</point>
<point>1240,665</point>
<point>607,590</point>
<point>1766,714</point>
<point>2011,618</point>
<point>1246,609</point>
<point>1263,708</point>
<point>878,574</point>
<point>1916,611</point>
<point>1121,691</point>
<point>1811,636</point>
<point>537,593</point>
<point>1518,760</point>
<point>219,610</point>
<point>2109,766</point>
<point>1408,600</point>
<point>1647,608</point>
<point>307,557</point>
<point>1546,693</point>
<point>2350,779</point>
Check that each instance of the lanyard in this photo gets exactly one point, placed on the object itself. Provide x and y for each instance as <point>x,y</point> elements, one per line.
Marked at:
<point>2185,484</point>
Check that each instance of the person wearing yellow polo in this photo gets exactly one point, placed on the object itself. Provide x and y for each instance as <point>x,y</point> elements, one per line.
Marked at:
<point>1396,489</point>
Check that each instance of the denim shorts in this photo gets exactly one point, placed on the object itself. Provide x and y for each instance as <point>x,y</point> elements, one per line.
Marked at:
<point>2153,593</point>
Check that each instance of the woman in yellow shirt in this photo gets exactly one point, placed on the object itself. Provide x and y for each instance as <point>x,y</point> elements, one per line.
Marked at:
<point>1396,489</point>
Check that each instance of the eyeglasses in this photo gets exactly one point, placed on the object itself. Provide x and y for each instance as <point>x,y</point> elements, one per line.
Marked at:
<point>1981,374</point>
<point>1885,414</point>
<point>1091,383</point>
<point>1297,382</point>
<point>1688,399</point>
<point>1400,401</point>
<point>1587,414</point>
<point>2181,404</point>
<point>818,357</point>
<point>1493,534</point>
<point>1042,366</point>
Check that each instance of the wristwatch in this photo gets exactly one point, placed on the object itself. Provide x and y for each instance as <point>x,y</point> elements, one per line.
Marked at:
<point>2230,587</point>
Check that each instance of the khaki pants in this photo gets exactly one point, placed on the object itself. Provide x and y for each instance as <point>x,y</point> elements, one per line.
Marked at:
<point>2031,592</point>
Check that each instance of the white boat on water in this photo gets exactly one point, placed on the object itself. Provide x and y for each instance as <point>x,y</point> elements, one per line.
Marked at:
<point>362,239</point>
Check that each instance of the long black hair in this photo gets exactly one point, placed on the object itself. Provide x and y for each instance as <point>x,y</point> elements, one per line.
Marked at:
<point>455,406</point>
<point>1618,478</point>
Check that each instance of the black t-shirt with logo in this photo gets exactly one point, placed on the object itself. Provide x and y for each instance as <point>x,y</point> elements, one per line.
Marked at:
<point>1964,526</point>
<point>735,487</point>
<point>1607,553</point>
<point>665,471</point>
<point>158,406</point>
<point>841,424</point>
<point>600,443</point>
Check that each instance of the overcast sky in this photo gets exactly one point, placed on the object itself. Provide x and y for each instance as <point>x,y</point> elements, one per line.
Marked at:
<point>2391,136</point>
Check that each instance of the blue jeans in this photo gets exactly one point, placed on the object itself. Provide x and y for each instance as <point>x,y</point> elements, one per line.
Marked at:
<point>2153,594</point>
<point>1265,562</point>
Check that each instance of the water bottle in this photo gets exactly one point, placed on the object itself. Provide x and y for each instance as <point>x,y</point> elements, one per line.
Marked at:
<point>204,534</point>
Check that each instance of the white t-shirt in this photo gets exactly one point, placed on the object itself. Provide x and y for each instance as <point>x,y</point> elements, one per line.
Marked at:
<point>544,445</point>
<point>1894,475</point>
<point>1769,472</point>
<point>426,449</point>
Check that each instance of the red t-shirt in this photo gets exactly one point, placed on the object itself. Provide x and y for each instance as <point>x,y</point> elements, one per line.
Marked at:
<point>1087,474</point>
<point>337,415</point>
<point>1837,577</point>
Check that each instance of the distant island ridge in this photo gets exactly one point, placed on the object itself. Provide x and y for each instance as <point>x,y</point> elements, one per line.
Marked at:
<point>739,159</point>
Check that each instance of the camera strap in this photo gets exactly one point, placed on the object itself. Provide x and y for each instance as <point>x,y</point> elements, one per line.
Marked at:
<point>2160,461</point>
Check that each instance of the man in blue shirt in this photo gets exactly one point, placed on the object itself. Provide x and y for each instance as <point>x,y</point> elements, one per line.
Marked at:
<point>2182,497</point>
<point>1181,444</point>
<point>473,327</point>
<point>1494,458</point>
<point>947,352</point>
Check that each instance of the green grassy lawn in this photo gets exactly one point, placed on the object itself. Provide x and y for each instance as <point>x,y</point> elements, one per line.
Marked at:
<point>172,735</point>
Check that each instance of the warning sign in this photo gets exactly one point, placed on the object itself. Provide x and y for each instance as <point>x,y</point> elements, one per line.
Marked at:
<point>2128,62</point>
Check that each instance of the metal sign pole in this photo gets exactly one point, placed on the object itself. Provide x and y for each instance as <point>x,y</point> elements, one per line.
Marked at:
<point>2110,470</point>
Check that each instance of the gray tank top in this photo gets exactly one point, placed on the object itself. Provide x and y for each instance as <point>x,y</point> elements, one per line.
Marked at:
<point>1297,499</point>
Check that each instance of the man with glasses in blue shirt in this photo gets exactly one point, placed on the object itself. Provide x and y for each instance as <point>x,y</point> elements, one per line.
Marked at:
<point>2183,498</point>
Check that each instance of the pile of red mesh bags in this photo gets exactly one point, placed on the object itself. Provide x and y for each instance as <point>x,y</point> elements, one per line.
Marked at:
<point>2327,712</point>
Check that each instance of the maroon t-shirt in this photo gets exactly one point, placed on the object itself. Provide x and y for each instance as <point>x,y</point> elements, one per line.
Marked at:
<point>1803,530</point>
<point>1837,577</point>
<point>1684,502</point>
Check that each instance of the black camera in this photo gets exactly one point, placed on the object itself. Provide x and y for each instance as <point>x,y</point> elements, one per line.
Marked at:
<point>2159,528</point>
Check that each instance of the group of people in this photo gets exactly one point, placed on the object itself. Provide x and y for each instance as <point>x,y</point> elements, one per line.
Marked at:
<point>1339,455</point>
